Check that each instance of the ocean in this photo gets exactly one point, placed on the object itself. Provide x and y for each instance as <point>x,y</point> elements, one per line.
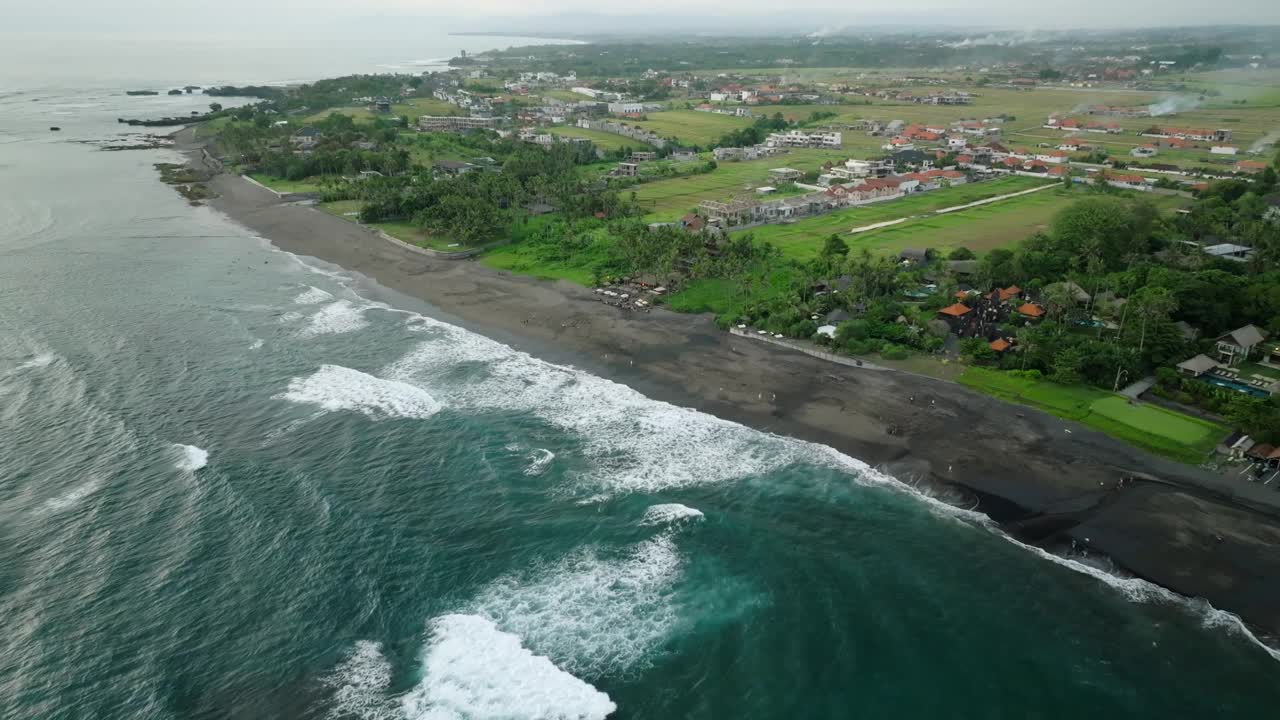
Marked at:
<point>237,482</point>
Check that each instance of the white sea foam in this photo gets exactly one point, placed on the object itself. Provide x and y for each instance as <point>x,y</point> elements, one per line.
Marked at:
<point>333,388</point>
<point>474,671</point>
<point>637,444</point>
<point>340,316</point>
<point>290,316</point>
<point>591,613</point>
<point>71,498</point>
<point>255,344</point>
<point>539,461</point>
<point>360,685</point>
<point>667,513</point>
<point>312,295</point>
<point>39,361</point>
<point>190,457</point>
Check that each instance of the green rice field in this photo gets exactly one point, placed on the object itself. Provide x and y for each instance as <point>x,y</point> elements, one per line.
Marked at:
<point>813,230</point>
<point>690,126</point>
<point>979,229</point>
<point>671,198</point>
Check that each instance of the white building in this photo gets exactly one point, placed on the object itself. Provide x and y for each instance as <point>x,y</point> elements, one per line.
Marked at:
<point>799,138</point>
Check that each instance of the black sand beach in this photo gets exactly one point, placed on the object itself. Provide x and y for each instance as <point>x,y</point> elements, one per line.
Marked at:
<point>1198,534</point>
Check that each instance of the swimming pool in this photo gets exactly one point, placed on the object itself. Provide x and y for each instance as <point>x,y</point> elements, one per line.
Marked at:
<point>1235,385</point>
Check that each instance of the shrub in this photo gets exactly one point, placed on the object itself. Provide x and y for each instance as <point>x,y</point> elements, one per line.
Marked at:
<point>895,352</point>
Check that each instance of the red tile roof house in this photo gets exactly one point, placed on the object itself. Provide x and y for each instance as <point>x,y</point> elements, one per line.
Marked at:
<point>955,312</point>
<point>1250,166</point>
<point>693,223</point>
<point>1031,310</point>
<point>1007,294</point>
<point>1000,345</point>
<point>1130,182</point>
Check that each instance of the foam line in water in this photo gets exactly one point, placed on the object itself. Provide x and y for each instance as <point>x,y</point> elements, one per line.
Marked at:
<point>71,498</point>
<point>1142,591</point>
<point>360,685</point>
<point>190,457</point>
<point>667,513</point>
<point>474,671</point>
<point>592,614</point>
<point>333,388</point>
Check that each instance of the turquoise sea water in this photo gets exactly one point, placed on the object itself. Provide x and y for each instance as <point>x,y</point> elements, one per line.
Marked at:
<point>239,483</point>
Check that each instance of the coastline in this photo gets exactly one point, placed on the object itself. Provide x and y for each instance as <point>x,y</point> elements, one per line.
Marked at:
<point>1177,526</point>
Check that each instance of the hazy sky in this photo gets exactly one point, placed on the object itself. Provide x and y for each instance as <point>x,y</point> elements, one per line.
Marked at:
<point>88,15</point>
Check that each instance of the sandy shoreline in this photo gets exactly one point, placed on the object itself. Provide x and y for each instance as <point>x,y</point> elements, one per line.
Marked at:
<point>1194,533</point>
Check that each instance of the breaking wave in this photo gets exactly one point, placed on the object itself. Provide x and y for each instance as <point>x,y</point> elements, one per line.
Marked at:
<point>669,513</point>
<point>539,461</point>
<point>312,295</point>
<point>340,316</point>
<point>190,458</point>
<point>333,388</point>
<point>472,671</point>
<point>593,614</point>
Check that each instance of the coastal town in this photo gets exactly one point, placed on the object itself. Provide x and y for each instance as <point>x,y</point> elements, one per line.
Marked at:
<point>980,224</point>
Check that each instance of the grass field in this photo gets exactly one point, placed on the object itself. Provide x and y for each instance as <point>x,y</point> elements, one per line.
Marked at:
<point>979,229</point>
<point>690,126</point>
<point>414,235</point>
<point>347,209</point>
<point>669,199</point>
<point>803,238</point>
<point>412,107</point>
<point>288,186</point>
<point>517,258</point>
<point>603,140</point>
<point>1152,428</point>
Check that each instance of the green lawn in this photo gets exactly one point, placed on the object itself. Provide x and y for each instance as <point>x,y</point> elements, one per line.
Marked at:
<point>401,230</point>
<point>342,208</point>
<point>669,199</point>
<point>1155,429</point>
<point>603,140</point>
<point>691,126</point>
<point>414,235</point>
<point>308,185</point>
<point>803,239</point>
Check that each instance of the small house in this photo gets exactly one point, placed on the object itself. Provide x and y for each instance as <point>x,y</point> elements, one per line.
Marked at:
<point>454,167</point>
<point>693,222</point>
<point>916,255</point>
<point>1000,345</point>
<point>1235,346</point>
<point>1198,365</point>
<point>1031,311</point>
<point>1009,293</point>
